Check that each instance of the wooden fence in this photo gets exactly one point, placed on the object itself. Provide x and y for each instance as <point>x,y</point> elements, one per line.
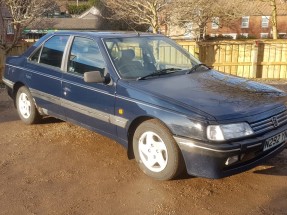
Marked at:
<point>266,59</point>
<point>17,50</point>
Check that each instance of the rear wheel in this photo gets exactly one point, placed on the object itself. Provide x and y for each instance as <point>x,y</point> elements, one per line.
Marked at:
<point>26,107</point>
<point>156,151</point>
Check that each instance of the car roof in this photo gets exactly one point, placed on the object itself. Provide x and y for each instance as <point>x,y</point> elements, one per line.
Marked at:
<point>106,34</point>
<point>95,34</point>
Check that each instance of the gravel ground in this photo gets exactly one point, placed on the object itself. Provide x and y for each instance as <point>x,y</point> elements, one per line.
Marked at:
<point>59,168</point>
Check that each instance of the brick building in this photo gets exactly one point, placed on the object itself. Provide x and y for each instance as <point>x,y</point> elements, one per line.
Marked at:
<point>255,22</point>
<point>6,28</point>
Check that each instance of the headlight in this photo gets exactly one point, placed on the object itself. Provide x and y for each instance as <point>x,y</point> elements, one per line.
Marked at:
<point>229,131</point>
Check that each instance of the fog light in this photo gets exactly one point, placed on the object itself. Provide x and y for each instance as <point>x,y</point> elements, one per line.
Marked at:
<point>231,160</point>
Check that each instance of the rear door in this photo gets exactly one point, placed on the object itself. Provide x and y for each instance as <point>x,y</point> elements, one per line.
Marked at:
<point>44,74</point>
<point>89,104</point>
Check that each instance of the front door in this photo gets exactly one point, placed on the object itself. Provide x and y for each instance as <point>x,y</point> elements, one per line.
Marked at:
<point>89,104</point>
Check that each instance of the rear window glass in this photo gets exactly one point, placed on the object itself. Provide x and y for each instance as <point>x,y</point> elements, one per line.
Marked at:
<point>52,51</point>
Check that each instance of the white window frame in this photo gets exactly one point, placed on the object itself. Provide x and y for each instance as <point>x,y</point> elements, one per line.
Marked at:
<point>282,35</point>
<point>10,29</point>
<point>265,21</point>
<point>213,35</point>
<point>215,23</point>
<point>188,30</point>
<point>245,22</point>
<point>264,35</point>
<point>244,34</point>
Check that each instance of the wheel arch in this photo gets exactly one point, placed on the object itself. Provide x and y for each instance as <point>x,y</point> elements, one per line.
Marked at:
<point>16,87</point>
<point>132,128</point>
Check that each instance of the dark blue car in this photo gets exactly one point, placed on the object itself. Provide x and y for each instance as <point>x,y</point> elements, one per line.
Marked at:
<point>170,111</point>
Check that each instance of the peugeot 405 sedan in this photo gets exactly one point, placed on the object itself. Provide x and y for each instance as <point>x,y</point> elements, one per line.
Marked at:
<point>170,111</point>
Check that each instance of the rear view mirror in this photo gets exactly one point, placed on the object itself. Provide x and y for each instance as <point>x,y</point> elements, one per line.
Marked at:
<point>94,77</point>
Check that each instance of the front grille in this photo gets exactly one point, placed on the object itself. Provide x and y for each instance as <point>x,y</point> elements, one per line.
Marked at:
<point>269,123</point>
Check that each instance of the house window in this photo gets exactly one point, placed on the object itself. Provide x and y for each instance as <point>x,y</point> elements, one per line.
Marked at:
<point>244,34</point>
<point>213,35</point>
<point>282,35</point>
<point>265,21</point>
<point>188,30</point>
<point>245,22</point>
<point>10,29</point>
<point>215,23</point>
<point>264,35</point>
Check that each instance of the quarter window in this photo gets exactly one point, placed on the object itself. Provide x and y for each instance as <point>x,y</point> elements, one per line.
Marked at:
<point>52,51</point>
<point>85,56</point>
<point>35,56</point>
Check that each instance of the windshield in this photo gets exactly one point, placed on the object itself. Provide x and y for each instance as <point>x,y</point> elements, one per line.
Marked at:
<point>137,57</point>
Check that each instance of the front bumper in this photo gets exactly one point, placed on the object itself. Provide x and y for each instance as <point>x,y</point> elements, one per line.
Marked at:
<point>209,159</point>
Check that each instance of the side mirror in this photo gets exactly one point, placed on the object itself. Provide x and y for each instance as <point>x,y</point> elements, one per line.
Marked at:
<point>94,77</point>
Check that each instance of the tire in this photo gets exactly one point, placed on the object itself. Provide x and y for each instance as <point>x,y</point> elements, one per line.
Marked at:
<point>26,107</point>
<point>156,151</point>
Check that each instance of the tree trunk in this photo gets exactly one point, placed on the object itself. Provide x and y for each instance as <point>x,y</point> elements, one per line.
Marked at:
<point>274,19</point>
<point>202,31</point>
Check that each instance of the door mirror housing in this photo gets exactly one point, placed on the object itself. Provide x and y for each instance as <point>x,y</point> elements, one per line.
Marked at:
<point>94,77</point>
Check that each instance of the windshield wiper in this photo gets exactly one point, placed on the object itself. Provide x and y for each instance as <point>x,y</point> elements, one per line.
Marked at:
<point>195,67</point>
<point>160,72</point>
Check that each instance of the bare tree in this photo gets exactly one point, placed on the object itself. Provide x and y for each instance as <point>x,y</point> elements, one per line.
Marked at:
<point>140,12</point>
<point>22,13</point>
<point>202,12</point>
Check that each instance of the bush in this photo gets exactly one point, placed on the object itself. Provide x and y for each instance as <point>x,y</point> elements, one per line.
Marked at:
<point>242,37</point>
<point>94,2</point>
<point>74,9</point>
<point>219,37</point>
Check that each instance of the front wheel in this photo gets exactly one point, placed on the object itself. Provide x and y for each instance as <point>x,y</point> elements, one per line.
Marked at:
<point>26,107</point>
<point>156,151</point>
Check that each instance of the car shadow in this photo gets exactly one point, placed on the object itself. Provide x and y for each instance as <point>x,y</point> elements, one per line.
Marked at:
<point>274,170</point>
<point>50,120</point>
<point>275,166</point>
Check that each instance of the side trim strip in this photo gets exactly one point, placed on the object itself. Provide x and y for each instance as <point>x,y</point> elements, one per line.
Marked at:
<point>45,96</point>
<point>92,112</point>
<point>190,144</point>
<point>86,110</point>
<point>8,82</point>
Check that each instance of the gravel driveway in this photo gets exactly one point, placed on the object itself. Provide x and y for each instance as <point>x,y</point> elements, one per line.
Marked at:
<point>59,168</point>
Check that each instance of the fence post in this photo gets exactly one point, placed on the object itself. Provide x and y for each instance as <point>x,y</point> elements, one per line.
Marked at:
<point>255,59</point>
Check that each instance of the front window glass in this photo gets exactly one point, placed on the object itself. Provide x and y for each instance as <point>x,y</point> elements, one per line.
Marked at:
<point>137,57</point>
<point>85,56</point>
<point>53,49</point>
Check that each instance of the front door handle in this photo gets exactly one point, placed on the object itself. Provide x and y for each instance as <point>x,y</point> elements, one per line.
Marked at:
<point>66,90</point>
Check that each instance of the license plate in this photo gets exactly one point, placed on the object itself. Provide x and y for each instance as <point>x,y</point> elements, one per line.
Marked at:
<point>275,140</point>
